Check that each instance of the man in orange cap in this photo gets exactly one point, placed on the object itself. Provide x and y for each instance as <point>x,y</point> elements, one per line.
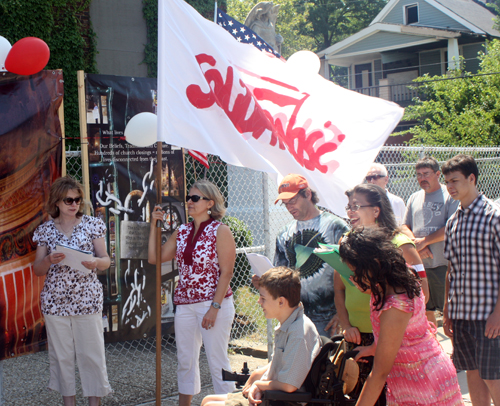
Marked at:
<point>296,241</point>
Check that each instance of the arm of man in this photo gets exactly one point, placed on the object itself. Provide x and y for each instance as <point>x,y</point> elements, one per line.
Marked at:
<point>393,323</point>
<point>447,325</point>
<point>492,329</point>
<point>423,242</point>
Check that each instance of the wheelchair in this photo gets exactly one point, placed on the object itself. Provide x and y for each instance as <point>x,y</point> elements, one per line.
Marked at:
<point>333,374</point>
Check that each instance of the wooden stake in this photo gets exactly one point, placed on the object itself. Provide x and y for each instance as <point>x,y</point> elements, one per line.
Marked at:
<point>83,136</point>
<point>158,275</point>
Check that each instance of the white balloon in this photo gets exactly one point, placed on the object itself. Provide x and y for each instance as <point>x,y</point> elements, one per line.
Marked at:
<point>304,62</point>
<point>141,130</point>
<point>4,50</point>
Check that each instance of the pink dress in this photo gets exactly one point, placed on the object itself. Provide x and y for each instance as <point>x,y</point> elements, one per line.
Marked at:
<point>422,373</point>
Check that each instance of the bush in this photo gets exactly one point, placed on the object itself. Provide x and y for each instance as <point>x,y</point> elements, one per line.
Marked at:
<point>243,238</point>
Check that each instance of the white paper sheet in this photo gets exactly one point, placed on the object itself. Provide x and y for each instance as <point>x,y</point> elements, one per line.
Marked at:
<point>74,258</point>
<point>259,263</point>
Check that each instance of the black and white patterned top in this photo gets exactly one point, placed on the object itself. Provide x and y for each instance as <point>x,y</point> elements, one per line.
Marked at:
<point>66,291</point>
<point>472,245</point>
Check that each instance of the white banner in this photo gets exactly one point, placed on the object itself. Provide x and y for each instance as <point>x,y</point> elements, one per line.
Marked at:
<point>226,98</point>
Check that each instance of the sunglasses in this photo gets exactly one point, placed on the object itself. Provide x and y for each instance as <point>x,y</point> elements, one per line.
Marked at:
<point>374,177</point>
<point>69,200</point>
<point>195,198</point>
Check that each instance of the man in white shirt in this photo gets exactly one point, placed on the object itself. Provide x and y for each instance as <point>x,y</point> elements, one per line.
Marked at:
<point>377,175</point>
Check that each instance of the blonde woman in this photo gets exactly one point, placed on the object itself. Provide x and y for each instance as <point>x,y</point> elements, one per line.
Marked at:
<point>205,252</point>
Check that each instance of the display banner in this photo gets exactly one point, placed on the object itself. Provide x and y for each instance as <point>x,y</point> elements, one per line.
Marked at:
<point>123,194</point>
<point>30,160</point>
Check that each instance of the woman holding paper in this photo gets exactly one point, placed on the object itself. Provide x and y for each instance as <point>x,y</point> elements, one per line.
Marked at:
<point>72,299</point>
<point>205,252</point>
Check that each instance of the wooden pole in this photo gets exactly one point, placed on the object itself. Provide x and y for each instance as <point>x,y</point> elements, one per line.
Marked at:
<point>83,136</point>
<point>158,275</point>
<point>60,113</point>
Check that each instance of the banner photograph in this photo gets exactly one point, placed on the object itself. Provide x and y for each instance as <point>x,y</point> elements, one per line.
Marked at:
<point>30,160</point>
<point>123,196</point>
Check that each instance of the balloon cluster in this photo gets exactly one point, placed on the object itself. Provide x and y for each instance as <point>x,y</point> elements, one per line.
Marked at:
<point>26,57</point>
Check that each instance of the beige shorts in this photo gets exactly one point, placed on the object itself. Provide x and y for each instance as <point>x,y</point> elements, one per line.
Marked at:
<point>236,399</point>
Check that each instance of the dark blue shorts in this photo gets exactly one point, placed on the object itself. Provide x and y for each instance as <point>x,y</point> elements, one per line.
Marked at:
<point>472,350</point>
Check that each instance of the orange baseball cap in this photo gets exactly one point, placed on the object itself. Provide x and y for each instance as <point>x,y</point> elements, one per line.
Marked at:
<point>290,186</point>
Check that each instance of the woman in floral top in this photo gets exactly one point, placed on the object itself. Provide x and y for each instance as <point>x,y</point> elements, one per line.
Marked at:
<point>205,253</point>
<point>71,300</point>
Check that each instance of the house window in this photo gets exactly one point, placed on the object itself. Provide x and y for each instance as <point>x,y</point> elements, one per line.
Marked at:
<point>411,14</point>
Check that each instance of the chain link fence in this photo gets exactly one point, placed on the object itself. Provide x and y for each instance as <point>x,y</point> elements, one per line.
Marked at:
<point>255,221</point>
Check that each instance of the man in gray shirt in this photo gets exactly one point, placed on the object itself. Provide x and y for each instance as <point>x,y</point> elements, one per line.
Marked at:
<point>427,212</point>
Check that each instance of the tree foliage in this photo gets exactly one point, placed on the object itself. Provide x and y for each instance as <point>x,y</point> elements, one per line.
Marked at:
<point>459,108</point>
<point>331,21</point>
<point>57,23</point>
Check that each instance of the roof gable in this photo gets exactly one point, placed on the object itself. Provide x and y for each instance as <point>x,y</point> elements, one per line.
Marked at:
<point>460,15</point>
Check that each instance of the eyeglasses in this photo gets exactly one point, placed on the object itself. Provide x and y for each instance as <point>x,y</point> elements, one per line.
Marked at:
<point>293,200</point>
<point>196,198</point>
<point>356,207</point>
<point>374,177</point>
<point>70,200</point>
<point>424,174</point>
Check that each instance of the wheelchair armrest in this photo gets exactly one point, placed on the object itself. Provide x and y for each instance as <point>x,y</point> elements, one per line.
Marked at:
<point>286,397</point>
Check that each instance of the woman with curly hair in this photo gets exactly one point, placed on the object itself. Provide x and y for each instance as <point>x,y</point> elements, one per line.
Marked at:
<point>407,353</point>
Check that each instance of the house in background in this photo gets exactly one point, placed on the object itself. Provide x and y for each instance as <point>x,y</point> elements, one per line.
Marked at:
<point>410,38</point>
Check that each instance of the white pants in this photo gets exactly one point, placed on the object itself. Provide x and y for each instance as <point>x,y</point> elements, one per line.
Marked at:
<point>80,338</point>
<point>189,336</point>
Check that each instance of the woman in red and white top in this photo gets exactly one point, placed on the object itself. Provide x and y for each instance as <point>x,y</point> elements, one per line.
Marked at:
<point>205,252</point>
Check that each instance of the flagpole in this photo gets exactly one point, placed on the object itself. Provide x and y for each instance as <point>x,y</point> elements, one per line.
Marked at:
<point>215,13</point>
<point>158,276</point>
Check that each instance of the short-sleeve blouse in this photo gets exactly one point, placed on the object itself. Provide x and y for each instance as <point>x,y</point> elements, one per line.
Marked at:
<point>66,291</point>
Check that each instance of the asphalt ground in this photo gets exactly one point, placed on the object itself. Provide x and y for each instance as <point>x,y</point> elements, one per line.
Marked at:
<point>25,379</point>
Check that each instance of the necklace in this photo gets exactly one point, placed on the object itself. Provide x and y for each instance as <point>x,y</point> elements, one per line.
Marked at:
<point>70,231</point>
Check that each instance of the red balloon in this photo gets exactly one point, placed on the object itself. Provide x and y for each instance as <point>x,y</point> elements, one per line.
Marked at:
<point>27,56</point>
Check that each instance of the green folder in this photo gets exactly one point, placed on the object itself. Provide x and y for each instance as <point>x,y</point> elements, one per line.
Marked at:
<point>330,254</point>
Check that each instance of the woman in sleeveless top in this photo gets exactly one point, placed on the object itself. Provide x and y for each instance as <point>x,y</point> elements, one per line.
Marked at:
<point>205,252</point>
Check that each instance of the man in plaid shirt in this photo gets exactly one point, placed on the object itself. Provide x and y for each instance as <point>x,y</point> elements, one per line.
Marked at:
<point>472,311</point>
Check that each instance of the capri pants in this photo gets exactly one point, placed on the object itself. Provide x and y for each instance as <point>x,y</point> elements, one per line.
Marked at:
<point>80,338</point>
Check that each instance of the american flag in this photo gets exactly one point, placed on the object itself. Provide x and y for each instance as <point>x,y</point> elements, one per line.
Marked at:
<point>242,33</point>
<point>201,157</point>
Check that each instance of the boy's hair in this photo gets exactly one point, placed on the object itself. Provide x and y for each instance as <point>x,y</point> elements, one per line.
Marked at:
<point>282,281</point>
<point>427,162</point>
<point>461,163</point>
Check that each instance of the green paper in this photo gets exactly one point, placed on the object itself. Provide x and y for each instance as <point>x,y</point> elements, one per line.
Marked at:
<point>302,254</point>
<point>330,254</point>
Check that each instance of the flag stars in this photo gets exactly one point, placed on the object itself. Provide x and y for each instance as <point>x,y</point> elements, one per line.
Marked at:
<point>230,23</point>
<point>235,31</point>
<point>247,37</point>
<point>238,39</point>
<point>242,29</point>
<point>259,43</point>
